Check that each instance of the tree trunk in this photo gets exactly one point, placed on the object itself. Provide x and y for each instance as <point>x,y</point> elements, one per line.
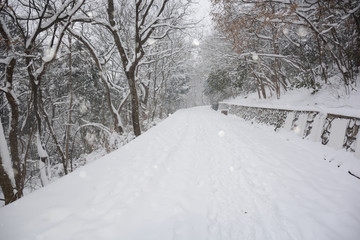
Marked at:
<point>276,66</point>
<point>323,70</point>
<point>68,126</point>
<point>13,134</point>
<point>5,181</point>
<point>134,102</point>
<point>6,186</point>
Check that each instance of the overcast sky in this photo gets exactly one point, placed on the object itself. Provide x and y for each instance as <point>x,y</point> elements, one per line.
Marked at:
<point>203,11</point>
<point>204,8</point>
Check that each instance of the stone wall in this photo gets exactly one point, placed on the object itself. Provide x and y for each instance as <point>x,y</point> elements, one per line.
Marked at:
<point>336,131</point>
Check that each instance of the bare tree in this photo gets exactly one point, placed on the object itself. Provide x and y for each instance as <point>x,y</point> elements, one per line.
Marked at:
<point>32,24</point>
<point>132,25</point>
<point>306,37</point>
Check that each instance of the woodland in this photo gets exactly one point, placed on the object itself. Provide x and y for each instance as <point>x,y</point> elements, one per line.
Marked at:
<point>82,77</point>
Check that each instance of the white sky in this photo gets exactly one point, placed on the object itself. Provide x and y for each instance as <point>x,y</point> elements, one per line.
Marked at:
<point>203,11</point>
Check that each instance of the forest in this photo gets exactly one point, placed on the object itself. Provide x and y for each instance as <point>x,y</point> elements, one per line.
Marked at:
<point>83,77</point>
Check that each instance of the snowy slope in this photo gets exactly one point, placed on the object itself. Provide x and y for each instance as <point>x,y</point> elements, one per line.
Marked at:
<point>197,175</point>
<point>330,99</point>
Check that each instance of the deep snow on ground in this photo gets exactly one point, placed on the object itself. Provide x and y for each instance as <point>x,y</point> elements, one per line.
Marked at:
<point>332,98</point>
<point>197,175</point>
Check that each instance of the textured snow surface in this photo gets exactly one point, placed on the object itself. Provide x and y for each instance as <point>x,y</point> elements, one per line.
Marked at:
<point>337,134</point>
<point>330,99</point>
<point>288,121</point>
<point>300,125</point>
<point>315,134</point>
<point>197,175</point>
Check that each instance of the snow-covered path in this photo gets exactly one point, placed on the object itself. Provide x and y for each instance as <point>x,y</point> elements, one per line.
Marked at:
<point>197,175</point>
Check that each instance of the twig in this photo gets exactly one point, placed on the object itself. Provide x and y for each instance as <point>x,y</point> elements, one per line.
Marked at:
<point>353,175</point>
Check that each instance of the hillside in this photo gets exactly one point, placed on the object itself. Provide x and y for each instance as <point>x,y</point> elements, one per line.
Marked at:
<point>329,99</point>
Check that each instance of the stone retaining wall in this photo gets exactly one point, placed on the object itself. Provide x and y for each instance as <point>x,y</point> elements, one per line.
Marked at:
<point>336,131</point>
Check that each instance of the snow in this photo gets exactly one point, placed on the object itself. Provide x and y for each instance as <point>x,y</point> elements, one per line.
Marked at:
<point>83,108</point>
<point>42,166</point>
<point>286,31</point>
<point>196,42</point>
<point>151,41</point>
<point>289,121</point>
<point>315,134</point>
<point>198,175</point>
<point>300,125</point>
<point>338,128</point>
<point>41,151</point>
<point>255,57</point>
<point>331,98</point>
<point>114,110</point>
<point>6,60</point>
<point>302,32</point>
<point>5,156</point>
<point>43,178</point>
<point>221,133</point>
<point>49,54</point>
<point>61,13</point>
<point>357,151</point>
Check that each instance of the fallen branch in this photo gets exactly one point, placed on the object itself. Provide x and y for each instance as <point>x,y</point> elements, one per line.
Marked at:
<point>352,174</point>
